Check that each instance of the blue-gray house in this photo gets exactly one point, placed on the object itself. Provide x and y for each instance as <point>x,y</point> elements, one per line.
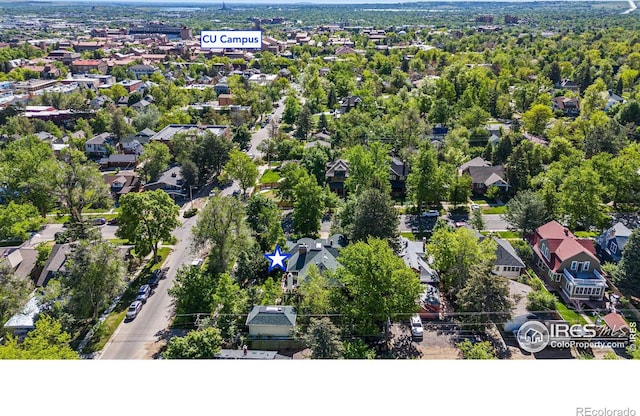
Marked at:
<point>610,243</point>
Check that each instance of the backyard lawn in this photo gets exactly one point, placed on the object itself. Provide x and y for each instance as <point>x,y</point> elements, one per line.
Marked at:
<point>494,210</point>
<point>270,176</point>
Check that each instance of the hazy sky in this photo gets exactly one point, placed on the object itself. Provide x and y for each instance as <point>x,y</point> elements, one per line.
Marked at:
<point>186,3</point>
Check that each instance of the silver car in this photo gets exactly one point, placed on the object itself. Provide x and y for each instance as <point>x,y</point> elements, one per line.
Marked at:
<point>133,310</point>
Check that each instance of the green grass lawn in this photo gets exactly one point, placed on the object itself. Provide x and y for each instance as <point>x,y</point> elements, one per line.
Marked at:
<point>270,176</point>
<point>586,234</point>
<point>568,315</point>
<point>408,235</point>
<point>479,200</point>
<point>509,234</point>
<point>494,210</point>
<point>119,241</point>
<point>61,219</point>
<point>109,325</point>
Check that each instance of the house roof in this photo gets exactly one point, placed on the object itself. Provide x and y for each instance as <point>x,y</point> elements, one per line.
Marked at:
<point>553,229</point>
<point>506,254</point>
<point>28,258</point>
<point>25,318</point>
<point>399,167</point>
<point>413,255</point>
<point>339,165</point>
<point>251,355</point>
<point>317,143</point>
<point>101,138</point>
<point>54,264</point>
<point>272,315</point>
<point>169,177</point>
<point>323,253</point>
<point>350,101</point>
<point>566,103</point>
<point>487,175</point>
<point>615,322</point>
<point>171,130</point>
<point>477,161</point>
<point>563,245</point>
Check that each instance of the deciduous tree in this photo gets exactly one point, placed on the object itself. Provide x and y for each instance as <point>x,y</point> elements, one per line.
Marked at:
<point>95,275</point>
<point>222,228</point>
<point>240,167</point>
<point>155,157</point>
<point>198,344</point>
<point>308,206</point>
<point>374,285</point>
<point>46,342</point>
<point>146,219</point>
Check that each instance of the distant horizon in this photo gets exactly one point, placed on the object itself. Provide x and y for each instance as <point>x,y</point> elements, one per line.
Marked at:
<point>302,2</point>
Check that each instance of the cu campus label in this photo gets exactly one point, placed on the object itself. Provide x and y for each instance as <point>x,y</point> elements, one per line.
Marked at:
<point>238,39</point>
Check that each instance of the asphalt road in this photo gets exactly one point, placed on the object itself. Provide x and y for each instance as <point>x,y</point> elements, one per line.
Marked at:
<point>493,222</point>
<point>142,337</point>
<point>263,133</point>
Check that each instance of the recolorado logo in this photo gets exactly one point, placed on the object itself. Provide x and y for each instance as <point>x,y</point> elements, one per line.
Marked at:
<point>241,39</point>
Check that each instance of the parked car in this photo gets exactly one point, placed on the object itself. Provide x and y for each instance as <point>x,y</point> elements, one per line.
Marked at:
<point>430,213</point>
<point>143,293</point>
<point>134,310</point>
<point>156,276</point>
<point>417,330</point>
<point>98,221</point>
<point>113,221</point>
<point>475,206</point>
<point>235,193</point>
<point>197,262</point>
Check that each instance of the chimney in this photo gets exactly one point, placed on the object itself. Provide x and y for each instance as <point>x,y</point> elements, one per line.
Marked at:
<point>302,249</point>
<point>424,244</point>
<point>566,231</point>
<point>244,350</point>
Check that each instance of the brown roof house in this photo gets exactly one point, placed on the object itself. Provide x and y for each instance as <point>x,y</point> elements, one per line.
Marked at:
<point>483,175</point>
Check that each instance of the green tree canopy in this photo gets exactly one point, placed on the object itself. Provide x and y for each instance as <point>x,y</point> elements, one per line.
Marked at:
<point>240,167</point>
<point>373,285</point>
<point>155,157</point>
<point>308,206</point>
<point>526,212</point>
<point>95,275</point>
<point>323,337</point>
<point>221,227</point>
<point>46,342</point>
<point>198,344</point>
<point>146,219</point>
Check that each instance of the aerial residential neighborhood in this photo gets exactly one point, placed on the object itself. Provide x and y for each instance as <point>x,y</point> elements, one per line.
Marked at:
<point>427,182</point>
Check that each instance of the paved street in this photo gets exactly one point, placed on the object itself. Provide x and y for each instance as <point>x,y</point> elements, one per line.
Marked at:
<point>139,338</point>
<point>143,337</point>
<point>493,222</point>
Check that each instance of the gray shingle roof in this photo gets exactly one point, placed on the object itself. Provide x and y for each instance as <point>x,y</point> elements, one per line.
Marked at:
<point>272,315</point>
<point>321,252</point>
<point>506,254</point>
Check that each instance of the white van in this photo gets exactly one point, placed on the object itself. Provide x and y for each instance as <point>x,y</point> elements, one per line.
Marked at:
<point>417,331</point>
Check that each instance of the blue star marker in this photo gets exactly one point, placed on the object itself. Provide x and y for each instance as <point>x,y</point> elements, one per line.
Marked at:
<point>277,259</point>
